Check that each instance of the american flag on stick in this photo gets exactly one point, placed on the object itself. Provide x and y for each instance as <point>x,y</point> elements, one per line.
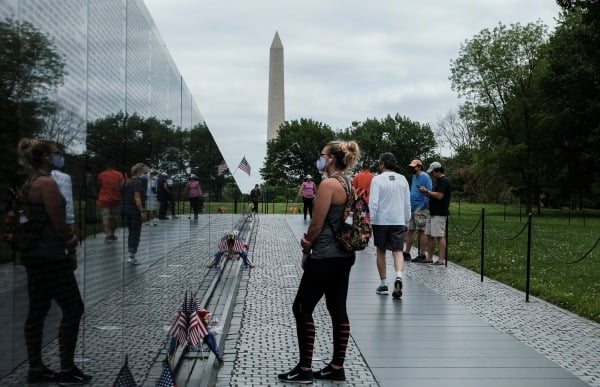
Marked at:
<point>222,168</point>
<point>125,378</point>
<point>166,378</point>
<point>244,166</point>
<point>197,329</point>
<point>180,325</point>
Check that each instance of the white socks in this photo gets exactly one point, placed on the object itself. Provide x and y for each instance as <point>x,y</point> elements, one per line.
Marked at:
<point>399,274</point>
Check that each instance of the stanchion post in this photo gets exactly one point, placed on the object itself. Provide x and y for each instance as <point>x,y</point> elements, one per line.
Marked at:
<point>528,257</point>
<point>482,240</point>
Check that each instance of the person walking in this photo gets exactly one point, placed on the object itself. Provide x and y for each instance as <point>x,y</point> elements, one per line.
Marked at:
<point>389,205</point>
<point>362,182</point>
<point>48,266</point>
<point>194,193</point>
<point>439,204</point>
<point>134,209</point>
<point>109,201</point>
<point>419,207</point>
<point>326,268</point>
<point>254,197</point>
<point>308,190</point>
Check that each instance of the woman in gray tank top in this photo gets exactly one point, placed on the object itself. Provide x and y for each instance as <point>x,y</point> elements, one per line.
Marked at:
<point>326,268</point>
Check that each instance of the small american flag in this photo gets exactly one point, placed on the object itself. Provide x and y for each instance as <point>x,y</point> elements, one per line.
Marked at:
<point>244,166</point>
<point>125,378</point>
<point>166,378</point>
<point>180,325</point>
<point>222,168</point>
<point>197,329</point>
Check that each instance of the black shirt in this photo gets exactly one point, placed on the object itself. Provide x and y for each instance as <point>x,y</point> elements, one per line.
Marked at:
<point>132,186</point>
<point>440,207</point>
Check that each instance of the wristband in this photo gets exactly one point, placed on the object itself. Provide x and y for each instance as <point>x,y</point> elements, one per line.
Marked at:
<point>306,251</point>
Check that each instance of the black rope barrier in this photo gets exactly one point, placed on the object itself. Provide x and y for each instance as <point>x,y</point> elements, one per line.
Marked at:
<point>501,236</point>
<point>549,252</point>
<point>465,233</point>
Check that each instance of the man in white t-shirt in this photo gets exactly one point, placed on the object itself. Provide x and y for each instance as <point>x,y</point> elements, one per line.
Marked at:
<point>389,205</point>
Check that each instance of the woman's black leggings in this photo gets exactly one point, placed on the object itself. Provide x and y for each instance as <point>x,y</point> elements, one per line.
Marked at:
<point>308,204</point>
<point>48,280</point>
<point>327,277</point>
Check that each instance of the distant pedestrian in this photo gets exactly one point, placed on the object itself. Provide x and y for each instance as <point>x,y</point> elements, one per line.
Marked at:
<point>308,190</point>
<point>362,181</point>
<point>91,194</point>
<point>151,198</point>
<point>389,205</point>
<point>194,193</point>
<point>109,201</point>
<point>255,197</point>
<point>326,268</point>
<point>134,209</point>
<point>162,194</point>
<point>439,204</point>
<point>419,207</point>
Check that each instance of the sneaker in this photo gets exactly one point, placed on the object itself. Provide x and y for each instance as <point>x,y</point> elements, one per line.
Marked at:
<point>437,263</point>
<point>419,258</point>
<point>397,293</point>
<point>297,375</point>
<point>406,256</point>
<point>382,290</point>
<point>43,375</point>
<point>73,377</point>
<point>133,261</point>
<point>330,373</point>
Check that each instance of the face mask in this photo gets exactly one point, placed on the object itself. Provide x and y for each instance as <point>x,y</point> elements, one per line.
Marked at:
<point>58,161</point>
<point>322,163</point>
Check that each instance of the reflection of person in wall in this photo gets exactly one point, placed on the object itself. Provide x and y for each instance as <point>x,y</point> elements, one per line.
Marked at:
<point>109,201</point>
<point>134,193</point>
<point>308,190</point>
<point>194,193</point>
<point>90,196</point>
<point>151,200</point>
<point>162,194</point>
<point>49,268</point>
<point>254,197</point>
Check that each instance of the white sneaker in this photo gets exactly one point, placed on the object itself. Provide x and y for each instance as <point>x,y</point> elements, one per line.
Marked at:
<point>133,261</point>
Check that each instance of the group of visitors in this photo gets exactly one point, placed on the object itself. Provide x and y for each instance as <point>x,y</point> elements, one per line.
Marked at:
<point>396,211</point>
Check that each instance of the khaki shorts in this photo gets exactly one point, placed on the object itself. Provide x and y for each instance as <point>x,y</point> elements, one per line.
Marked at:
<point>111,214</point>
<point>418,219</point>
<point>436,226</point>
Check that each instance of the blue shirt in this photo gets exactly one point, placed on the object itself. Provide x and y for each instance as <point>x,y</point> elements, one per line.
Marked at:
<point>417,199</point>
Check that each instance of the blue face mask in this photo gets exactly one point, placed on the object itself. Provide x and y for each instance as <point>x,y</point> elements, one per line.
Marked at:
<point>322,163</point>
<point>58,161</point>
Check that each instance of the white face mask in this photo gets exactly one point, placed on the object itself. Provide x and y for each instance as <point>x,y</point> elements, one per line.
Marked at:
<point>322,163</point>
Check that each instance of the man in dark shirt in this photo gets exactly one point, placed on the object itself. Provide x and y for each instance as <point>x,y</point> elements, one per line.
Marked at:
<point>439,202</point>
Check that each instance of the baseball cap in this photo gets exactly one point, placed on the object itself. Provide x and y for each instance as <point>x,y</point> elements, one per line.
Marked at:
<point>415,162</point>
<point>308,176</point>
<point>434,165</point>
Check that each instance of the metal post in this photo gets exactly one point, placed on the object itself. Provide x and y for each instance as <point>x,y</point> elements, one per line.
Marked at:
<point>482,240</point>
<point>528,257</point>
<point>446,236</point>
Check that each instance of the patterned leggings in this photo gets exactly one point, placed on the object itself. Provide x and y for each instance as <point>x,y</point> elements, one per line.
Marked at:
<point>328,277</point>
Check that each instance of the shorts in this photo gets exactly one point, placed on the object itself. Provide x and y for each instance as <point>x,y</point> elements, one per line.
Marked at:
<point>111,214</point>
<point>418,219</point>
<point>388,237</point>
<point>151,203</point>
<point>436,226</point>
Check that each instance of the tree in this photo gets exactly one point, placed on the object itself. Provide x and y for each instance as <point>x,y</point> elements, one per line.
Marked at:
<point>405,138</point>
<point>496,71</point>
<point>64,127</point>
<point>294,152</point>
<point>456,131</point>
<point>30,67</point>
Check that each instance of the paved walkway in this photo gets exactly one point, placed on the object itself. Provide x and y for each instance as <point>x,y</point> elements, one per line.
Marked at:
<point>448,329</point>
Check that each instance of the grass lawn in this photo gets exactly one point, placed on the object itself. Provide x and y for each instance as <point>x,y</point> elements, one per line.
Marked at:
<point>559,273</point>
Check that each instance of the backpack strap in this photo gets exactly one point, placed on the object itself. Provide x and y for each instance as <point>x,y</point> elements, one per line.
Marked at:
<point>349,199</point>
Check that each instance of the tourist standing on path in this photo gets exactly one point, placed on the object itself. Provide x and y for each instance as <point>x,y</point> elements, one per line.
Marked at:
<point>362,182</point>
<point>162,194</point>
<point>65,186</point>
<point>308,190</point>
<point>389,205</point>
<point>254,197</point>
<point>194,193</point>
<point>49,268</point>
<point>151,199</point>
<point>134,209</point>
<point>439,203</point>
<point>109,201</point>
<point>419,207</point>
<point>326,268</point>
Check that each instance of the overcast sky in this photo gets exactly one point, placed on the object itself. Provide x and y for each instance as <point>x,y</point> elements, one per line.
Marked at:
<point>345,60</point>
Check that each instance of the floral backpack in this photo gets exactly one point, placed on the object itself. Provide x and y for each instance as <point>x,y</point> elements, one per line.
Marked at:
<point>353,236</point>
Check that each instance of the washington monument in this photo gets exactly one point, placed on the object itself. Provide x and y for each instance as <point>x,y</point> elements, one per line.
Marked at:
<point>276,108</point>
